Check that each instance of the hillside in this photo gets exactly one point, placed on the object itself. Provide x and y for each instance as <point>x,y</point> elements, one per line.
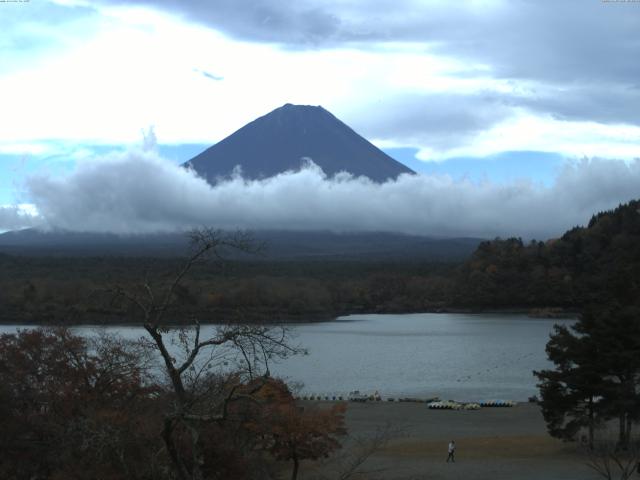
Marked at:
<point>287,137</point>
<point>280,245</point>
<point>593,264</point>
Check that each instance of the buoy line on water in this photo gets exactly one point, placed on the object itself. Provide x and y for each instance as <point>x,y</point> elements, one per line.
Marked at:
<point>433,403</point>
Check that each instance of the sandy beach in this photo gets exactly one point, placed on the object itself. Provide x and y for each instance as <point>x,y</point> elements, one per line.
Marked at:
<point>492,443</point>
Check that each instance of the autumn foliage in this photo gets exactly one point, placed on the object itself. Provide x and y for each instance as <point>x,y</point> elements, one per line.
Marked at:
<point>72,408</point>
<point>294,433</point>
<point>78,408</point>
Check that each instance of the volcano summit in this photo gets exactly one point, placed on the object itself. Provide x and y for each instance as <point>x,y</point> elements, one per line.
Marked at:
<point>286,138</point>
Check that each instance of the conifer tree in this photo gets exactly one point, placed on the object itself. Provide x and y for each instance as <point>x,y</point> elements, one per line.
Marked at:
<point>596,375</point>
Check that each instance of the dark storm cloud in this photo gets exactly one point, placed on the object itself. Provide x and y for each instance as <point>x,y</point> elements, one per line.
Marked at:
<point>106,195</point>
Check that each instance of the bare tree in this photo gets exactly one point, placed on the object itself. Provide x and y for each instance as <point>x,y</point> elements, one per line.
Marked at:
<point>350,463</point>
<point>196,399</point>
<point>611,462</point>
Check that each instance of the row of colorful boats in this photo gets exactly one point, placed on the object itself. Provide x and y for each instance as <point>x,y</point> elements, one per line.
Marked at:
<point>452,405</point>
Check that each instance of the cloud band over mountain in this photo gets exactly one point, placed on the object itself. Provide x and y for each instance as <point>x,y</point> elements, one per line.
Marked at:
<point>139,192</point>
<point>17,216</point>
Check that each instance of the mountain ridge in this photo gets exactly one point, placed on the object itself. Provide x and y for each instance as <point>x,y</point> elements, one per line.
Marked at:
<point>281,245</point>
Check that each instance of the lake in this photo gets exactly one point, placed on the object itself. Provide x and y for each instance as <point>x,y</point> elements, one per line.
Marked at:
<point>467,357</point>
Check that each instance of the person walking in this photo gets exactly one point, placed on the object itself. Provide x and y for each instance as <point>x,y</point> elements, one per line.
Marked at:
<point>452,451</point>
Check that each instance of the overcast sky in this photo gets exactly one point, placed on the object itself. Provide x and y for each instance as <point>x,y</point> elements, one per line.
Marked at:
<point>504,106</point>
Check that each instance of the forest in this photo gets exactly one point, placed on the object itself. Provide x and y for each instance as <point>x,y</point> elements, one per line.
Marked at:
<point>551,278</point>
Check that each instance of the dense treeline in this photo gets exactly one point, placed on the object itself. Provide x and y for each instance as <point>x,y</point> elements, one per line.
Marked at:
<point>588,265</point>
<point>68,290</point>
<point>596,374</point>
<point>585,265</point>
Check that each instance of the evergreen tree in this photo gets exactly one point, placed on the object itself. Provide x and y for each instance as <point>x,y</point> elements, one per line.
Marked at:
<point>570,393</point>
<point>616,332</point>
<point>596,375</point>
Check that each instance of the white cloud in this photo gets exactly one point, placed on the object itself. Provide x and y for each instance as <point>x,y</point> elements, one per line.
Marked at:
<point>139,67</point>
<point>139,192</point>
<point>35,148</point>
<point>527,131</point>
<point>473,81</point>
<point>14,217</point>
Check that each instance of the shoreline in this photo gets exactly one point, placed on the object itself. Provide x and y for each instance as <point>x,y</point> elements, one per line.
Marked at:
<point>532,313</point>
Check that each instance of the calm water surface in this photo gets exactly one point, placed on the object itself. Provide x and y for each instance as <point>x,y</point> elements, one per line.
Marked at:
<point>458,356</point>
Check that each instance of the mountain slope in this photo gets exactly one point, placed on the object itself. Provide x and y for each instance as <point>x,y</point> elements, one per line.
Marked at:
<point>280,245</point>
<point>285,137</point>
<point>598,264</point>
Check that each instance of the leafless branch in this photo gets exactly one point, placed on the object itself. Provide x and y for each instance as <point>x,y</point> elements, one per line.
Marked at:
<point>257,344</point>
<point>610,462</point>
<point>349,464</point>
